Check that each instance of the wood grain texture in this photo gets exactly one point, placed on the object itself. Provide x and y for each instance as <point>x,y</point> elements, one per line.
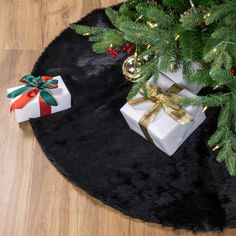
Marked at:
<point>34,198</point>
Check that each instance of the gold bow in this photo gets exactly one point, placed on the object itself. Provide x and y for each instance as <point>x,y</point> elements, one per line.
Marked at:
<point>169,101</point>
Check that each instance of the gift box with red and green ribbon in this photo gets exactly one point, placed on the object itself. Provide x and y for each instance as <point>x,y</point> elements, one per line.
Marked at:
<point>39,96</point>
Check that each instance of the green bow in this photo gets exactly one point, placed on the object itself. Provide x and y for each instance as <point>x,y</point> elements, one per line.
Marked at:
<point>35,85</point>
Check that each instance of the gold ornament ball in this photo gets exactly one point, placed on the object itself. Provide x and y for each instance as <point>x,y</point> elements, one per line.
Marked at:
<point>131,67</point>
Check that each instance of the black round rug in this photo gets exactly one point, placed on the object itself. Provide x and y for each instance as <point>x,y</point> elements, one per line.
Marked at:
<point>92,145</point>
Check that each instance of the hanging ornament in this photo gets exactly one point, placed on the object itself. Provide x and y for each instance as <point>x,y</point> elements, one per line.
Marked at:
<point>127,48</point>
<point>233,70</point>
<point>113,52</point>
<point>131,67</point>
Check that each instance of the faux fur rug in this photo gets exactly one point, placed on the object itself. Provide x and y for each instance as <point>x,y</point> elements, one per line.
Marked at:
<point>92,145</point>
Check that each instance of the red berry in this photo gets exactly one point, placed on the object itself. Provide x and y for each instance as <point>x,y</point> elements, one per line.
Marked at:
<point>127,48</point>
<point>129,51</point>
<point>110,50</point>
<point>114,55</point>
<point>233,70</point>
<point>113,52</point>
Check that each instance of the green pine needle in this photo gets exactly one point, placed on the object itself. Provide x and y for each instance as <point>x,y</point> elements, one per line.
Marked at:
<point>175,34</point>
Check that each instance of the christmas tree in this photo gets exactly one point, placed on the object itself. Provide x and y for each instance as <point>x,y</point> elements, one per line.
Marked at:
<point>170,34</point>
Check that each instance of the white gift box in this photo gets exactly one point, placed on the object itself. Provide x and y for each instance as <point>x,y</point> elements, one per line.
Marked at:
<point>178,77</point>
<point>32,109</point>
<point>165,132</point>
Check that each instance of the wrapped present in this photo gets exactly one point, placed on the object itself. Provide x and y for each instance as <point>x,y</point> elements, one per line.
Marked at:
<point>178,77</point>
<point>157,114</point>
<point>39,96</point>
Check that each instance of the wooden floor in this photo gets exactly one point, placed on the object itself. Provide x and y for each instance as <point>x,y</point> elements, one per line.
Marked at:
<point>34,198</point>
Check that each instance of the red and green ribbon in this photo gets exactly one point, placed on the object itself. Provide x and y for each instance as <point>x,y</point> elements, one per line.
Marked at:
<point>34,86</point>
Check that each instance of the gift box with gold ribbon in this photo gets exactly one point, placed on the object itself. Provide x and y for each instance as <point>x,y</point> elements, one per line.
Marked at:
<point>157,115</point>
<point>38,96</point>
<point>178,77</point>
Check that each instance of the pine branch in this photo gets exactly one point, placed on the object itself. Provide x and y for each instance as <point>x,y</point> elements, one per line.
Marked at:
<point>178,5</point>
<point>216,137</point>
<point>191,45</point>
<point>178,33</point>
<point>231,162</point>
<point>116,17</point>
<point>225,115</point>
<point>136,88</point>
<point>223,77</point>
<point>155,14</point>
<point>224,138</point>
<point>101,37</point>
<point>203,78</point>
<point>219,57</point>
<point>208,101</point>
<point>218,12</point>
<point>149,69</point>
<point>190,19</point>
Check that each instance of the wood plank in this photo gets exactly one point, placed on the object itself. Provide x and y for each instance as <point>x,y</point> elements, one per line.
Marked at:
<point>23,30</point>
<point>16,148</point>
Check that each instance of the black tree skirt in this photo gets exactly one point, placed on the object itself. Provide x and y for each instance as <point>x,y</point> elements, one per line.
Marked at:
<point>92,145</point>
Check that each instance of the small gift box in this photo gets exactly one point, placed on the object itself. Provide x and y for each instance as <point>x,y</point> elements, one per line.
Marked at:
<point>178,77</point>
<point>157,114</point>
<point>40,96</point>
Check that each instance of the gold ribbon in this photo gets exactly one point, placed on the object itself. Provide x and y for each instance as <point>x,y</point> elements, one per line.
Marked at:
<point>169,101</point>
